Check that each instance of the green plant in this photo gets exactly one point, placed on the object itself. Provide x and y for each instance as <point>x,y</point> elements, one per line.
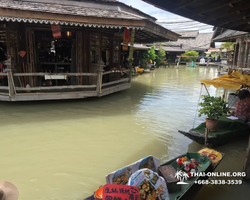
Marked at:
<point>213,107</point>
<point>228,46</point>
<point>191,54</point>
<point>161,56</point>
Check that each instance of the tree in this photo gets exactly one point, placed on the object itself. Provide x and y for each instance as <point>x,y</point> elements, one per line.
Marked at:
<point>147,56</point>
<point>151,54</point>
<point>228,46</point>
<point>161,56</point>
<point>191,54</point>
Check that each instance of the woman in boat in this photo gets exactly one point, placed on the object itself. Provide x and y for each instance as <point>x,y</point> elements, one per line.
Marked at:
<point>242,109</point>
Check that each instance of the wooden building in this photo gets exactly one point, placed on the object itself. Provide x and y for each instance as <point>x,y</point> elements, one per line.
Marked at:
<point>240,56</point>
<point>69,49</point>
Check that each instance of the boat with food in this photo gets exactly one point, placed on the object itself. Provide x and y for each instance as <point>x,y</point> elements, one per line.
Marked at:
<point>175,179</point>
<point>228,127</point>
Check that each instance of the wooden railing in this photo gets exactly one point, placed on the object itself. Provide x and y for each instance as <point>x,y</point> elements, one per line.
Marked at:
<point>94,87</point>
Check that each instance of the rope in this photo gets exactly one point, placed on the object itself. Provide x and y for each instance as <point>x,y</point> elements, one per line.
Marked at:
<point>197,105</point>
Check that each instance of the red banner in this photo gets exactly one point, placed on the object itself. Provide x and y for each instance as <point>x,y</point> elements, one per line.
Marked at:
<point>120,192</point>
<point>56,31</point>
<point>126,38</point>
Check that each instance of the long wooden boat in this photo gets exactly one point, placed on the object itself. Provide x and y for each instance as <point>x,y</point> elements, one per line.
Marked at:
<point>227,129</point>
<point>207,163</point>
<point>190,190</point>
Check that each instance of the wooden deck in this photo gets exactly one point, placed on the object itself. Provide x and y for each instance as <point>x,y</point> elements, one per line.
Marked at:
<point>98,88</point>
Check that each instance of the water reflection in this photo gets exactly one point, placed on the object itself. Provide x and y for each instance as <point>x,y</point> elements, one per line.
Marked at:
<point>64,149</point>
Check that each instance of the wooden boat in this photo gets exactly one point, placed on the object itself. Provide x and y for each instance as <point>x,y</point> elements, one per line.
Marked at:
<point>190,190</point>
<point>208,163</point>
<point>227,129</point>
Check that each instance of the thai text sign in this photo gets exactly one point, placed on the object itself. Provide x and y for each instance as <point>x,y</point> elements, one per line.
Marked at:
<point>120,192</point>
<point>215,156</point>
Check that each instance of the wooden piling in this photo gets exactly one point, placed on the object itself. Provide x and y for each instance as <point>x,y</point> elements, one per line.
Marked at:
<point>247,162</point>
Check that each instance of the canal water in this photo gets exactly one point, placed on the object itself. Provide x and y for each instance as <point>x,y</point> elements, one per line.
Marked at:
<point>62,150</point>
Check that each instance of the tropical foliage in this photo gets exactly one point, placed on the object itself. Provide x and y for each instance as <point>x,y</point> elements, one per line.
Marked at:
<point>190,53</point>
<point>161,56</point>
<point>213,107</point>
<point>228,46</point>
<point>147,56</point>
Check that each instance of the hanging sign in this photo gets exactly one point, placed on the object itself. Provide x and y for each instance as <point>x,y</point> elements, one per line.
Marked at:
<point>120,192</point>
<point>126,39</point>
<point>131,49</point>
<point>56,31</point>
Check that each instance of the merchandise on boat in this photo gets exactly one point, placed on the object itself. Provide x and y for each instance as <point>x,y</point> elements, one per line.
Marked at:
<point>176,174</point>
<point>150,185</point>
<point>122,176</point>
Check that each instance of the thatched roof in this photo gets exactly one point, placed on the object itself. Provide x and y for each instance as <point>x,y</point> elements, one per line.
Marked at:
<point>188,34</point>
<point>188,42</point>
<point>108,14</point>
<point>229,35</point>
<point>69,8</point>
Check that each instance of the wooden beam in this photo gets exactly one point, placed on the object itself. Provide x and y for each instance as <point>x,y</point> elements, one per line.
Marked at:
<point>183,3</point>
<point>68,18</point>
<point>116,82</point>
<point>225,13</point>
<point>223,22</point>
<point>51,74</point>
<point>56,87</point>
<point>239,22</point>
<point>212,6</point>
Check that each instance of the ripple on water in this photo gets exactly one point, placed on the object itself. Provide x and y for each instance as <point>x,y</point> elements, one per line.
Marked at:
<point>63,149</point>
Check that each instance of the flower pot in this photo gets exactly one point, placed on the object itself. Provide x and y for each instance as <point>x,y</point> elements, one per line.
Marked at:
<point>211,124</point>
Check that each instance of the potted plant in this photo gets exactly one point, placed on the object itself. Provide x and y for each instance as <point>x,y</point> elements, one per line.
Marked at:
<point>213,108</point>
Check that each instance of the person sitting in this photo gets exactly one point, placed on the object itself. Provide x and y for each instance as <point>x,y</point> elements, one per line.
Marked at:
<point>8,191</point>
<point>242,110</point>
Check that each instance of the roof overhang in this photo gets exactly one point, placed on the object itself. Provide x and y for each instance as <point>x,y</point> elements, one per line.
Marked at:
<point>146,31</point>
<point>230,14</point>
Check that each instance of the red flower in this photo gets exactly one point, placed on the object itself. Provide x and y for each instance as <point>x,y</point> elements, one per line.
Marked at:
<point>191,166</point>
<point>179,161</point>
<point>189,174</point>
<point>196,163</point>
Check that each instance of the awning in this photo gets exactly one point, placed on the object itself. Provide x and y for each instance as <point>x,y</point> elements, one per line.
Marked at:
<point>233,81</point>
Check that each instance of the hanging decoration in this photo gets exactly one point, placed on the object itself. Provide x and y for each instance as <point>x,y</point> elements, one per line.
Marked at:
<point>126,39</point>
<point>56,31</point>
<point>131,49</point>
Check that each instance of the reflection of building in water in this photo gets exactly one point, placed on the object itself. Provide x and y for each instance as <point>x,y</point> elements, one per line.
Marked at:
<point>67,47</point>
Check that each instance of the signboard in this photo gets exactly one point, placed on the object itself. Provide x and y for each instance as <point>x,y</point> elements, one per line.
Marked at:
<point>214,156</point>
<point>120,192</point>
<point>121,176</point>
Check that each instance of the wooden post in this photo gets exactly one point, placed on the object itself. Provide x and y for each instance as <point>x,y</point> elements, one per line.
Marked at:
<point>245,55</point>
<point>206,135</point>
<point>178,62</point>
<point>10,66</point>
<point>247,162</point>
<point>99,77</point>
<point>130,65</point>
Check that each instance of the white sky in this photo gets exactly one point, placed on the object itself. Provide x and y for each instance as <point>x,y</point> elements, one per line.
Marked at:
<point>164,16</point>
